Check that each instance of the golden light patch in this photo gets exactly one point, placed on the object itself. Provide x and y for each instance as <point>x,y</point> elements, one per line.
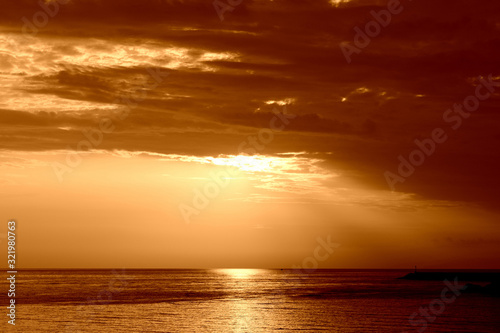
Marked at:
<point>239,273</point>
<point>338,3</point>
<point>255,163</point>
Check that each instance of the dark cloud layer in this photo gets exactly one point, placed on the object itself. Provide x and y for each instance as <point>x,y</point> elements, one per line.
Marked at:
<point>367,112</point>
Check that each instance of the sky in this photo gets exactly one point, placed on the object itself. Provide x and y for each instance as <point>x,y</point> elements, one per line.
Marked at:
<point>245,134</point>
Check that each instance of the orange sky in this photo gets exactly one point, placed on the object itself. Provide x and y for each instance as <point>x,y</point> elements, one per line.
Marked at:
<point>154,134</point>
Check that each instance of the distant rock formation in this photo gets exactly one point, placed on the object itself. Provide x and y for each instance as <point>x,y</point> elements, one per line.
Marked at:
<point>492,289</point>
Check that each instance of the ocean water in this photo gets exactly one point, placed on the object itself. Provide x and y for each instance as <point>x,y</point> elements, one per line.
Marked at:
<point>232,300</point>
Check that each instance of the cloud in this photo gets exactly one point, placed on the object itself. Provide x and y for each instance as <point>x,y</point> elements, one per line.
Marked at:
<point>223,75</point>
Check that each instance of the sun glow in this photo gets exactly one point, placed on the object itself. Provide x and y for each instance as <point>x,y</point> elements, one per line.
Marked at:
<point>239,273</point>
<point>255,163</point>
<point>337,3</point>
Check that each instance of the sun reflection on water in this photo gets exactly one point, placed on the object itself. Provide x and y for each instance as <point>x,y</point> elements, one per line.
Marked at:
<point>242,312</point>
<point>239,273</point>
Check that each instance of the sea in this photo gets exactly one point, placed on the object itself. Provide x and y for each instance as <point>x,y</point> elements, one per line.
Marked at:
<point>243,300</point>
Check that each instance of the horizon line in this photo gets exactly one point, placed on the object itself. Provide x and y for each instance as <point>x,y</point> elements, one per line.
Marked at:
<point>262,268</point>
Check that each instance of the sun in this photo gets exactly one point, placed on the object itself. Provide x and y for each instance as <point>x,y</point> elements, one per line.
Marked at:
<point>337,3</point>
<point>254,163</point>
